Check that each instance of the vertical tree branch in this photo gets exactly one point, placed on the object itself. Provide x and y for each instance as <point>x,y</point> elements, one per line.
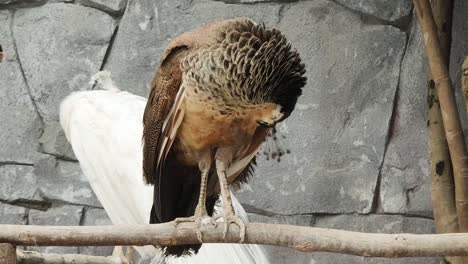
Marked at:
<point>442,185</point>
<point>465,82</point>
<point>450,117</point>
<point>7,253</point>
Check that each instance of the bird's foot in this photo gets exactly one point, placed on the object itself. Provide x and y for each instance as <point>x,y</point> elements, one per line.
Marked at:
<point>200,221</point>
<point>229,219</point>
<point>180,220</point>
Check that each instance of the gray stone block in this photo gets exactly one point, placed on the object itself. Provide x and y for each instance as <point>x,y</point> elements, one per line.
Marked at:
<point>405,180</point>
<point>60,47</point>
<point>390,11</point>
<point>54,142</point>
<point>10,2</point>
<point>13,215</point>
<point>61,216</point>
<point>96,216</point>
<point>337,133</point>
<point>63,180</point>
<point>20,125</point>
<point>113,7</point>
<point>18,183</point>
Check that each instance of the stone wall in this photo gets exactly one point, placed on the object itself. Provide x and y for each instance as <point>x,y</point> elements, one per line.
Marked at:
<point>358,138</point>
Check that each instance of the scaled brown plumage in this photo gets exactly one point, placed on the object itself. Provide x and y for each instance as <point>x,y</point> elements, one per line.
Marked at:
<point>219,90</point>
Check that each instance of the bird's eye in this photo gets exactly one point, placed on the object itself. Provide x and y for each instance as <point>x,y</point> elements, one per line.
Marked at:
<point>263,123</point>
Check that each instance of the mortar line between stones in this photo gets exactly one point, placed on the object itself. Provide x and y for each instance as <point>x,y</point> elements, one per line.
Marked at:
<point>58,202</point>
<point>375,201</point>
<point>258,211</point>
<point>109,47</point>
<point>60,157</point>
<point>108,51</point>
<point>3,163</point>
<point>238,2</point>
<point>28,88</point>
<point>107,11</point>
<point>280,13</point>
<point>83,215</point>
<point>394,24</point>
<point>28,204</point>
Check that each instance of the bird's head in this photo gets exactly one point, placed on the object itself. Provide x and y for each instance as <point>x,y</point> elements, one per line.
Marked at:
<point>252,67</point>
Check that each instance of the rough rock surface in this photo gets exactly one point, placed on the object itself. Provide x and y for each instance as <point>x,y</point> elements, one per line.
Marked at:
<point>60,215</point>
<point>391,11</point>
<point>405,181</point>
<point>95,216</point>
<point>63,181</point>
<point>458,53</point>
<point>20,125</point>
<point>14,215</point>
<point>357,137</point>
<point>14,176</point>
<point>113,7</point>
<point>54,142</point>
<point>59,50</point>
<point>337,134</point>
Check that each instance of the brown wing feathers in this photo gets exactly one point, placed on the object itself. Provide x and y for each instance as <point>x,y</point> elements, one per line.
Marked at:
<point>164,89</point>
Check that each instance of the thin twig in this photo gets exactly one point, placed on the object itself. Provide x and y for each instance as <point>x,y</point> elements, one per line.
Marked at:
<point>307,239</point>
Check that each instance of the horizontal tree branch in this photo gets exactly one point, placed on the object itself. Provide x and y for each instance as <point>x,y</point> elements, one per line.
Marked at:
<point>31,257</point>
<point>306,239</point>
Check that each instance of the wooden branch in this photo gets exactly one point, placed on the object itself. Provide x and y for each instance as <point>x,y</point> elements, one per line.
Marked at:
<point>306,239</point>
<point>450,117</point>
<point>465,82</point>
<point>31,257</point>
<point>7,253</point>
<point>442,184</point>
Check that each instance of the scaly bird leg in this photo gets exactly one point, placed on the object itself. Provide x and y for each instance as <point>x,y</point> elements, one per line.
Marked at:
<point>201,216</point>
<point>229,213</point>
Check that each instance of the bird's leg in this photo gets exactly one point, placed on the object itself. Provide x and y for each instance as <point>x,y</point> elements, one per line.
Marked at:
<point>201,215</point>
<point>229,213</point>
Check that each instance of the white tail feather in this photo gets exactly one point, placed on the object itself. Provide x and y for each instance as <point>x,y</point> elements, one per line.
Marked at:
<point>105,128</point>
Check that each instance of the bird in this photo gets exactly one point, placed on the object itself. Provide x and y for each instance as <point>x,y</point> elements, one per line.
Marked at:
<point>219,91</point>
<point>104,127</point>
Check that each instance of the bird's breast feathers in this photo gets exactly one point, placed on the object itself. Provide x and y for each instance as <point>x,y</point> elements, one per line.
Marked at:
<point>209,125</point>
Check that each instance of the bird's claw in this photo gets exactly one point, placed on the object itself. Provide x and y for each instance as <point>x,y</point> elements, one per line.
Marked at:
<point>200,221</point>
<point>180,220</point>
<point>234,219</point>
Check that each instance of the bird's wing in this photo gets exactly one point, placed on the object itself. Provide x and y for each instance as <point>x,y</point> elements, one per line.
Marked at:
<point>104,129</point>
<point>162,114</point>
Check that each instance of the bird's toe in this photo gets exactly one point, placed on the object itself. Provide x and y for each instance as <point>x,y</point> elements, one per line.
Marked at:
<point>234,219</point>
